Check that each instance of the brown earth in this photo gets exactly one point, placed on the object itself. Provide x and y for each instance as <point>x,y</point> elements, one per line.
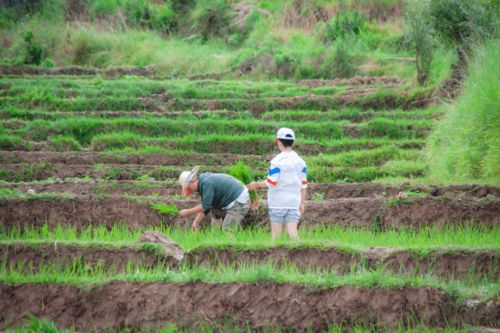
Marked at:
<point>374,213</point>
<point>324,190</point>
<point>354,81</point>
<point>77,70</point>
<point>145,306</point>
<point>114,258</point>
<point>366,98</point>
<point>457,264</point>
<point>256,147</point>
<point>42,171</point>
<point>90,158</point>
<point>354,118</point>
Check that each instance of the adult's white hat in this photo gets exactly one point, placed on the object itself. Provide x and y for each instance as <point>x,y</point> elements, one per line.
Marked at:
<point>186,177</point>
<point>285,133</point>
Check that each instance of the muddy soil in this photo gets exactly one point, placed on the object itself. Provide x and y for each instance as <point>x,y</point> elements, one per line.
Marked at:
<point>457,264</point>
<point>90,158</point>
<point>77,70</point>
<point>374,213</point>
<point>325,191</point>
<point>35,256</point>
<point>354,81</point>
<point>365,98</point>
<point>261,148</point>
<point>27,172</point>
<point>134,305</point>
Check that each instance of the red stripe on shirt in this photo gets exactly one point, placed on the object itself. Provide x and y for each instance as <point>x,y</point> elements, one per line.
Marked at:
<point>271,182</point>
<point>304,182</point>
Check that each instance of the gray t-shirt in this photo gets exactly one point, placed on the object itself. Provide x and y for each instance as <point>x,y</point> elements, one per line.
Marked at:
<point>218,190</point>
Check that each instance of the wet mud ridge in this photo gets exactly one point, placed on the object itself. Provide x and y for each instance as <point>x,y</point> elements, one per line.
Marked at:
<point>445,263</point>
<point>133,305</point>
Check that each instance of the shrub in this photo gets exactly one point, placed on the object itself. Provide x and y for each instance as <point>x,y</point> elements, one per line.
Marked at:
<point>419,33</point>
<point>104,7</point>
<point>338,63</point>
<point>83,49</point>
<point>286,62</point>
<point>163,18</point>
<point>212,18</point>
<point>34,51</point>
<point>463,22</point>
<point>345,23</point>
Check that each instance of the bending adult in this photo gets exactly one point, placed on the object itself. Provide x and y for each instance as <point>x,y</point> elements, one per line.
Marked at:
<point>217,191</point>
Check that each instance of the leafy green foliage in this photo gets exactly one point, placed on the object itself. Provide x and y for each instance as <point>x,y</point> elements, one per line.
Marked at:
<point>465,145</point>
<point>64,143</point>
<point>34,51</point>
<point>212,18</point>
<point>243,173</point>
<point>36,325</point>
<point>339,62</point>
<point>463,23</point>
<point>345,23</point>
<point>420,34</point>
<point>163,208</point>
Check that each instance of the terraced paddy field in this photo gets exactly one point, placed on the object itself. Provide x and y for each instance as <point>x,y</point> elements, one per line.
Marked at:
<point>89,160</point>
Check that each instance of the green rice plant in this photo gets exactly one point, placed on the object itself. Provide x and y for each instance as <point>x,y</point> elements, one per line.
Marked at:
<point>64,143</point>
<point>243,173</point>
<point>13,142</point>
<point>39,325</point>
<point>79,273</point>
<point>469,236</point>
<point>163,208</point>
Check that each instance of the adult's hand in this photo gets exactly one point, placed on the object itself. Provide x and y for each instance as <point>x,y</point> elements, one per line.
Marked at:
<point>184,213</point>
<point>195,225</point>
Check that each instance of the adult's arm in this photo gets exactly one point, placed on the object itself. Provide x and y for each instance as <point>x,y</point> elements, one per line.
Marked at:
<point>191,211</point>
<point>197,220</point>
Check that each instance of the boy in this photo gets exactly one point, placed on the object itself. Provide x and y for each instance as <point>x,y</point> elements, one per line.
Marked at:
<point>287,183</point>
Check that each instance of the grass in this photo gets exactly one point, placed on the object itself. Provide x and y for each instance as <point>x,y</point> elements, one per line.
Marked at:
<point>465,145</point>
<point>229,325</point>
<point>80,274</point>
<point>466,237</point>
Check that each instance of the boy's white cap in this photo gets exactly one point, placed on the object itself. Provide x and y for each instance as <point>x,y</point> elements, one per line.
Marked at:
<point>186,177</point>
<point>285,133</point>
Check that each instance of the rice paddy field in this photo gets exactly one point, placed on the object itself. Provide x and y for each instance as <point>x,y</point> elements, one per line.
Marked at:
<point>89,163</point>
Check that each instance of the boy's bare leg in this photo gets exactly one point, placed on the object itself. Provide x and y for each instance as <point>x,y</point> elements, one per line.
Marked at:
<point>276,230</point>
<point>292,230</point>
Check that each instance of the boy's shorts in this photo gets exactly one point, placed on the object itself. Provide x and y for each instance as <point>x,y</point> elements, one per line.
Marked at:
<point>282,216</point>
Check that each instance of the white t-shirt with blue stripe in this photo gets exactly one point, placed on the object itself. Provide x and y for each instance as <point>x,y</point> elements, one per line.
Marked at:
<point>286,177</point>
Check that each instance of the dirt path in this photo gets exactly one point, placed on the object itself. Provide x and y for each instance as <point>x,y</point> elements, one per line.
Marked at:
<point>132,305</point>
<point>373,213</point>
<point>315,190</point>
